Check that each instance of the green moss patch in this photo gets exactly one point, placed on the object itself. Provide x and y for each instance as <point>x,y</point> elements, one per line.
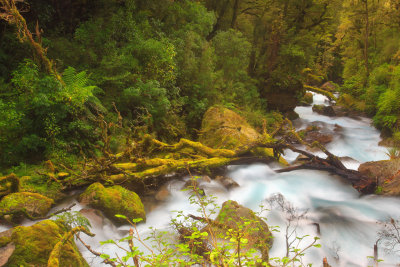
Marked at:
<point>114,200</point>
<point>223,128</point>
<point>33,245</point>
<point>41,185</point>
<point>33,204</point>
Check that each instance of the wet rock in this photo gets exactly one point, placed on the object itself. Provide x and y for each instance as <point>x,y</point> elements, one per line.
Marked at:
<point>33,204</point>
<point>338,128</point>
<point>389,142</point>
<point>227,182</point>
<point>6,252</point>
<point>113,200</point>
<point>163,194</point>
<point>307,99</point>
<point>33,245</point>
<point>314,133</point>
<point>324,110</point>
<point>380,170</point>
<point>235,216</point>
<point>292,115</point>
<point>95,217</point>
<point>313,136</point>
<point>386,173</point>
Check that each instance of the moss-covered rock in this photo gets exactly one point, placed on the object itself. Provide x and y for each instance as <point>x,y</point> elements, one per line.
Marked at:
<point>33,204</point>
<point>33,245</point>
<point>41,185</point>
<point>324,110</point>
<point>114,200</point>
<point>254,229</point>
<point>224,128</point>
<point>307,99</point>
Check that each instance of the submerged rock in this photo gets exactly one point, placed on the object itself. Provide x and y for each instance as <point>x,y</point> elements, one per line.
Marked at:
<point>33,245</point>
<point>113,200</point>
<point>33,204</point>
<point>163,194</point>
<point>227,182</point>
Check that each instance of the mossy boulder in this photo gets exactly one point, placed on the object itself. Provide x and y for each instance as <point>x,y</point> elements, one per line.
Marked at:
<point>114,200</point>
<point>33,204</point>
<point>307,99</point>
<point>324,110</point>
<point>33,245</point>
<point>225,129</point>
<point>41,185</point>
<point>385,173</point>
<point>254,229</point>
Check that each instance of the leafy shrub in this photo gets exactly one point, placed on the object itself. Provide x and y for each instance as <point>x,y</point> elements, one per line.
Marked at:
<point>44,114</point>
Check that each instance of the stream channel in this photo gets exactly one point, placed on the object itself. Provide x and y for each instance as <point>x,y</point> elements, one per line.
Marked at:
<point>348,222</point>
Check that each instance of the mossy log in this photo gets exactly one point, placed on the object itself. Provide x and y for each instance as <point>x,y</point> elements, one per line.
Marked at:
<point>151,158</point>
<point>320,91</point>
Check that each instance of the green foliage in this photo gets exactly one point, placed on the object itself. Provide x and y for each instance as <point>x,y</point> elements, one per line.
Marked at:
<point>72,219</point>
<point>42,115</point>
<point>148,97</point>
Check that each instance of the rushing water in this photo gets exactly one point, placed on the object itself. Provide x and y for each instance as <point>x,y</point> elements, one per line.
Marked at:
<point>348,223</point>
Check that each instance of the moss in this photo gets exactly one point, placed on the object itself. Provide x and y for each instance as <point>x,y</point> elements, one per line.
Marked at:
<point>223,128</point>
<point>239,218</point>
<point>320,91</point>
<point>33,245</point>
<point>268,153</point>
<point>307,98</point>
<point>114,200</point>
<point>34,204</point>
<point>9,184</point>
<point>4,240</point>
<point>350,102</point>
<point>39,184</point>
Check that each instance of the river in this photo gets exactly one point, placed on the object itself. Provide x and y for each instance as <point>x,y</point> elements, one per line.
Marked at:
<point>348,222</point>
